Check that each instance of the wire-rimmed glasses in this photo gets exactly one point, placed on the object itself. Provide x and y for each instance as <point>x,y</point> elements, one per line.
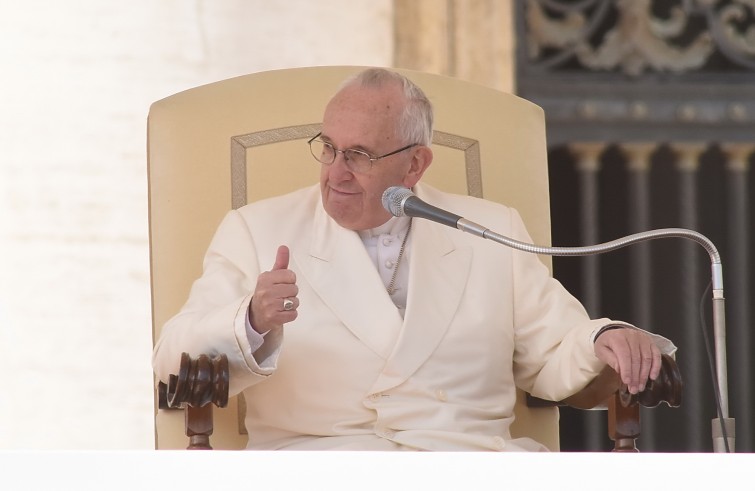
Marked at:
<point>357,161</point>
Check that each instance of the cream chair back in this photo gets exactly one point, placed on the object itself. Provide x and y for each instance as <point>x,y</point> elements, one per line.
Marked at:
<point>228,143</point>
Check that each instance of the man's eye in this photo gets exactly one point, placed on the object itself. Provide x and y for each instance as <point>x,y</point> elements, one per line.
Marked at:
<point>356,155</point>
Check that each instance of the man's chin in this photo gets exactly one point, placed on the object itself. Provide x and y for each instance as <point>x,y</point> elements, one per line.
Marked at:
<point>342,217</point>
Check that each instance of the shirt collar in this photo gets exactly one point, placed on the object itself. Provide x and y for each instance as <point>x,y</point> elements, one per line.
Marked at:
<point>394,226</point>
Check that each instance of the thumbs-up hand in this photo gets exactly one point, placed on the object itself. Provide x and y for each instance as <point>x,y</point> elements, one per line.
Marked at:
<point>274,302</point>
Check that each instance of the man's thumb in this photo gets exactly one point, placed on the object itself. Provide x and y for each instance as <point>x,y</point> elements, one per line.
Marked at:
<point>281,258</point>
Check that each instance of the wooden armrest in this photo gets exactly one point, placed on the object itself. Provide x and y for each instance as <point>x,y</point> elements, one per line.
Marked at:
<point>607,392</point>
<point>202,382</point>
<point>199,384</point>
<point>667,388</point>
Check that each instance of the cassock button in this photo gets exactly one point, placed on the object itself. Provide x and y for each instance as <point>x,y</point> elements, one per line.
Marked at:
<point>389,264</point>
<point>387,241</point>
<point>441,395</point>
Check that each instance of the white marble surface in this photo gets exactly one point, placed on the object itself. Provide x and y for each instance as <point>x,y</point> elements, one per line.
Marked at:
<point>378,471</point>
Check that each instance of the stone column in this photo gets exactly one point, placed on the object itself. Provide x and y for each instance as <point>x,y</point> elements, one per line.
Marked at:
<point>738,296</point>
<point>588,165</point>
<point>693,364</point>
<point>468,39</point>
<point>640,278</point>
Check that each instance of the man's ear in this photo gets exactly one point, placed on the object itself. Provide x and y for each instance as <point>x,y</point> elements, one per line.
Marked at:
<point>422,157</point>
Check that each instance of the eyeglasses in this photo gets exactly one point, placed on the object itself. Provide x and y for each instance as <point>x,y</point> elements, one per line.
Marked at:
<point>357,161</point>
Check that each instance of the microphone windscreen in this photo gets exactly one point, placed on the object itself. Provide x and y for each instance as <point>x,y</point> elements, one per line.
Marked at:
<point>394,198</point>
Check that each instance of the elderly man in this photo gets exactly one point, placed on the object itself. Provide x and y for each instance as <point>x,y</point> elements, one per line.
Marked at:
<point>348,328</point>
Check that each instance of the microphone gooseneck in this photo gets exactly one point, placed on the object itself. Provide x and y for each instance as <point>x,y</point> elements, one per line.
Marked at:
<point>401,201</point>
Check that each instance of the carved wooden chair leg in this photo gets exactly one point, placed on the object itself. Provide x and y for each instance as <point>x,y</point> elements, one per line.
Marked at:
<point>199,384</point>
<point>624,408</point>
<point>199,427</point>
<point>623,424</point>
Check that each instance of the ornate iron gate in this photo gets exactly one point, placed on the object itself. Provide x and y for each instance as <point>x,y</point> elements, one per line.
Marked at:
<point>650,107</point>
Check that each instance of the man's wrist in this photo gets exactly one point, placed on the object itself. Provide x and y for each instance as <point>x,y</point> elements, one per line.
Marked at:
<point>607,328</point>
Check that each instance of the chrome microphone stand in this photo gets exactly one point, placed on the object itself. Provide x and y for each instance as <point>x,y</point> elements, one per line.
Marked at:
<point>723,427</point>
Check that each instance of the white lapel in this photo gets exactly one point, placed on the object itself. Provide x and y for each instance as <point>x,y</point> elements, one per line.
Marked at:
<point>340,271</point>
<point>438,274</point>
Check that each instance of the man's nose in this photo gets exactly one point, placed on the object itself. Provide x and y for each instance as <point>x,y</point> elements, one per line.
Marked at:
<point>340,163</point>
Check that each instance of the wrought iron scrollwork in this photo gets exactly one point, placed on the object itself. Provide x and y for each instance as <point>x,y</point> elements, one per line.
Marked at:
<point>638,36</point>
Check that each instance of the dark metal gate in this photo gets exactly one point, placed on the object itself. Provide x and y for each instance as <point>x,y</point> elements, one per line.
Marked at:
<point>650,110</point>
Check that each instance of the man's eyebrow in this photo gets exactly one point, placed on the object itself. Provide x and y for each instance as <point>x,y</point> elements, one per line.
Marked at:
<point>327,139</point>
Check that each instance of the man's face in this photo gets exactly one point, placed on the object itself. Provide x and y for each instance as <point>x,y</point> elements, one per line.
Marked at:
<point>365,119</point>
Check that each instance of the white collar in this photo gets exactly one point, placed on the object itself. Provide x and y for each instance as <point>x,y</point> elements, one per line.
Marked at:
<point>394,226</point>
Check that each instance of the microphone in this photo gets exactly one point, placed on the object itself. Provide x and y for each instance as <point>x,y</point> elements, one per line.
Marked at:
<point>400,201</point>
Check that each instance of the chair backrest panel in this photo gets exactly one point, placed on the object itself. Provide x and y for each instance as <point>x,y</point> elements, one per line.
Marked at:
<point>221,145</point>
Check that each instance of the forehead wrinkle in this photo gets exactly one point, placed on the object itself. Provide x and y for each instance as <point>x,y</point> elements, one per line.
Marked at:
<point>367,118</point>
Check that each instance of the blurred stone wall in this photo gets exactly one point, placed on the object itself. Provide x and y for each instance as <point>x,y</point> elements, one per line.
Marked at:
<point>77,81</point>
<point>472,40</point>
